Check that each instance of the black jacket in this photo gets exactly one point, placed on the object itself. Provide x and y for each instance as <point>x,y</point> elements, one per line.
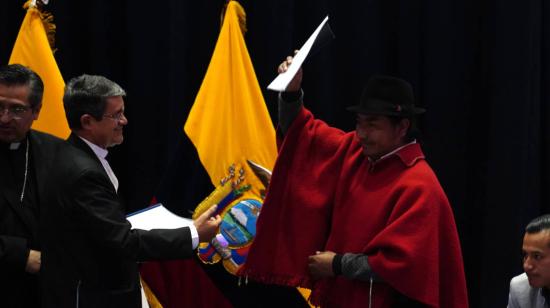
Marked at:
<point>90,254</point>
<point>18,229</point>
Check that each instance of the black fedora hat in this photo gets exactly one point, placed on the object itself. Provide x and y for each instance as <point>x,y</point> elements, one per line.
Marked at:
<point>385,95</point>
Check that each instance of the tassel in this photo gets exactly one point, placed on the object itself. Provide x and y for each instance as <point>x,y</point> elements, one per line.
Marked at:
<point>370,292</point>
<point>215,197</point>
<point>47,21</point>
<point>240,14</point>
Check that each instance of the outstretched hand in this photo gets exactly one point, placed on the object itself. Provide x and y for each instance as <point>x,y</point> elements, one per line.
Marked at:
<point>207,225</point>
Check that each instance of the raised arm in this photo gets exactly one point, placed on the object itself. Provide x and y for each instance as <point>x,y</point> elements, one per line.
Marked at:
<point>291,100</point>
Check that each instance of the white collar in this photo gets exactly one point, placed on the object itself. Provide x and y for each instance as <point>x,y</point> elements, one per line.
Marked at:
<point>99,151</point>
<point>392,152</point>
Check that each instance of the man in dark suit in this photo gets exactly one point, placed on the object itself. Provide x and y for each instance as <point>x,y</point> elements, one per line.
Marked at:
<point>90,252</point>
<point>25,155</point>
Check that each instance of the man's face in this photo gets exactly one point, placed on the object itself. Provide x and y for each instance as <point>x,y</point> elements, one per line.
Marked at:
<point>108,131</point>
<point>16,115</point>
<point>536,258</point>
<point>378,135</point>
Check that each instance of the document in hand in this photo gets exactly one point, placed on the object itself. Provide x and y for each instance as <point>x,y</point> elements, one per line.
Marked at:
<point>322,35</point>
<point>157,217</point>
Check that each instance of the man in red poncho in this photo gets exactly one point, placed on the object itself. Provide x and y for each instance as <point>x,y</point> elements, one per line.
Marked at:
<point>359,217</point>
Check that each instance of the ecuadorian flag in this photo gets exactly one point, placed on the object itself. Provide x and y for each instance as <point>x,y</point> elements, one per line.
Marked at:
<point>228,125</point>
<point>229,122</point>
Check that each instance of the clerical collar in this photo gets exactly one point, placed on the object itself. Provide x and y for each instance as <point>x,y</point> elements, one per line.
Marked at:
<point>14,145</point>
<point>11,146</point>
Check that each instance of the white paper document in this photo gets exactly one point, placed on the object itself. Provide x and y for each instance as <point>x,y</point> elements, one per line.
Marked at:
<point>157,217</point>
<point>281,82</point>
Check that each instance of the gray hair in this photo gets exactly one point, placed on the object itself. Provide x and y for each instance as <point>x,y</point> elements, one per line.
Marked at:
<point>88,94</point>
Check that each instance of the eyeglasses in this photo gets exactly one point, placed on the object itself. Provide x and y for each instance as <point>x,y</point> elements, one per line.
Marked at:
<point>117,116</point>
<point>15,112</point>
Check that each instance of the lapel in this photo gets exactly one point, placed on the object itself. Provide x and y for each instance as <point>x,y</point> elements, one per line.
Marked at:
<point>78,143</point>
<point>75,141</point>
<point>8,189</point>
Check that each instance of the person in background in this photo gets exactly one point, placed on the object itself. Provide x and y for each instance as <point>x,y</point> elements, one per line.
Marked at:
<point>532,288</point>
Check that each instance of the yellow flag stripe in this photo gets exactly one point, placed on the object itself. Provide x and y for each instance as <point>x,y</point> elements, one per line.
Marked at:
<point>33,50</point>
<point>229,121</point>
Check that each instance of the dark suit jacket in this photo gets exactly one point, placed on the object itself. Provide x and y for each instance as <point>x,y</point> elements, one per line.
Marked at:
<point>90,253</point>
<point>18,232</point>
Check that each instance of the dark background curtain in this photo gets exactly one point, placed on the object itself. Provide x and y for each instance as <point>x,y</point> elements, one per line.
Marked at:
<point>479,67</point>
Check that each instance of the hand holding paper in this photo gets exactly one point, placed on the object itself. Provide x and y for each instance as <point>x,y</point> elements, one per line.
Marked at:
<point>296,82</point>
<point>158,217</point>
<point>320,37</point>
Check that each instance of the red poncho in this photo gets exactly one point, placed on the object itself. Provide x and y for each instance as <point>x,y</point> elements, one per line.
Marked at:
<point>326,195</point>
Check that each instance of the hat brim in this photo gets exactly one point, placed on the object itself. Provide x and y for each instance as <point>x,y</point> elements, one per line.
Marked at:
<point>405,112</point>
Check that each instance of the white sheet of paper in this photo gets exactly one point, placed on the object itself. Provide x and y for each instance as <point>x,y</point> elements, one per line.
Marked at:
<point>157,217</point>
<point>281,82</point>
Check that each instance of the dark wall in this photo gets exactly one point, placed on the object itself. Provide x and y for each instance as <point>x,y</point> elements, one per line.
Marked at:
<point>479,67</point>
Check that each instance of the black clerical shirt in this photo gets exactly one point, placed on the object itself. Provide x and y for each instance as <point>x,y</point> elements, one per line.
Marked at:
<point>17,165</point>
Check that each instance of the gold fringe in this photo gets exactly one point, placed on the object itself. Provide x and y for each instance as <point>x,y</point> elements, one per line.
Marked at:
<point>241,14</point>
<point>214,198</point>
<point>47,21</point>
